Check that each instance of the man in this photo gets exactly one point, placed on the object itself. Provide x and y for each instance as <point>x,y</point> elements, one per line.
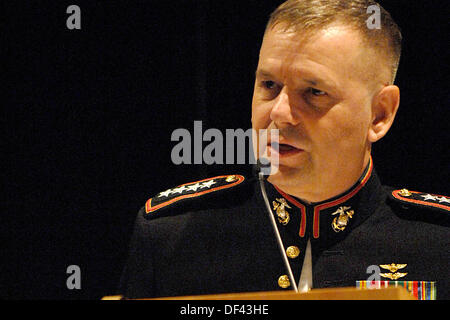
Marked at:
<point>325,81</point>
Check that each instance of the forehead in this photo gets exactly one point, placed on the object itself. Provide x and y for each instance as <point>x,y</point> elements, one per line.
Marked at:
<point>335,50</point>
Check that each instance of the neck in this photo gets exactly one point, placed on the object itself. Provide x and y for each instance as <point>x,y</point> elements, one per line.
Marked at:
<point>316,194</point>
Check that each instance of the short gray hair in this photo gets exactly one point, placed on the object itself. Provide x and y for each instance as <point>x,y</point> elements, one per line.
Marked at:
<point>313,15</point>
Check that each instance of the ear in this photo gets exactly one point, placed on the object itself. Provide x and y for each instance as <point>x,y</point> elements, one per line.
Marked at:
<point>384,108</point>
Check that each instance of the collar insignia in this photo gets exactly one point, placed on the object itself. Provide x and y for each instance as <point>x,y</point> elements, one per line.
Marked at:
<point>340,222</point>
<point>279,207</point>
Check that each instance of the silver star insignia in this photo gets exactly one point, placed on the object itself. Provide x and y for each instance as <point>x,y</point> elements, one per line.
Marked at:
<point>443,199</point>
<point>208,184</point>
<point>179,189</point>
<point>429,197</point>
<point>165,193</point>
<point>193,187</point>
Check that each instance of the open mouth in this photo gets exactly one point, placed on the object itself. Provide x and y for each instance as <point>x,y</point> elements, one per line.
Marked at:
<point>284,149</point>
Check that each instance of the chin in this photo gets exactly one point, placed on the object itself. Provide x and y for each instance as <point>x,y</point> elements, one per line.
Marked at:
<point>288,177</point>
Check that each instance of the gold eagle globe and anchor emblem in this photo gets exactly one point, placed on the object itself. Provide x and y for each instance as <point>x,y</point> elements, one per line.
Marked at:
<point>340,222</point>
<point>280,209</point>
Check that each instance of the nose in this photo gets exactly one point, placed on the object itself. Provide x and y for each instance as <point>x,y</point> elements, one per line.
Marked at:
<point>282,112</point>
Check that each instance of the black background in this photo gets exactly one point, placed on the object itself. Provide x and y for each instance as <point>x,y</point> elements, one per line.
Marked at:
<point>88,116</point>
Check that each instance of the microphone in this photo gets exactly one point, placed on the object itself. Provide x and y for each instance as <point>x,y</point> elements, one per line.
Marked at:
<point>263,168</point>
<point>264,172</point>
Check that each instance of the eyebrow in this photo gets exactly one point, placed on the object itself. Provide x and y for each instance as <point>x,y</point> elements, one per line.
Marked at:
<point>312,81</point>
<point>263,73</point>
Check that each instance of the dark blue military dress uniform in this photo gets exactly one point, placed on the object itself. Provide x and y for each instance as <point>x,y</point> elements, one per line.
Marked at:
<point>215,236</point>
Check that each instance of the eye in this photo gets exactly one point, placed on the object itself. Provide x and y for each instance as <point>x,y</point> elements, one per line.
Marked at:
<point>315,98</point>
<point>317,92</point>
<point>269,84</point>
<point>269,89</point>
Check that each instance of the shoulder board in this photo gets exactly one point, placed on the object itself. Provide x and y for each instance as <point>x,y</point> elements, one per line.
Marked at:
<point>183,193</point>
<point>421,199</point>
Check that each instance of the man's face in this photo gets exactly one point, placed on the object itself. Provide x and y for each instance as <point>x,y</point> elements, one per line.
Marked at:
<point>311,90</point>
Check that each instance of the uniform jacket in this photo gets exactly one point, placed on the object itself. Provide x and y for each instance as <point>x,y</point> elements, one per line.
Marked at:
<point>215,236</point>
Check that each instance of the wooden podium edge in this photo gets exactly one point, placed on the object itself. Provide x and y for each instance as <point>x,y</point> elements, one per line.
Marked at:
<point>390,293</point>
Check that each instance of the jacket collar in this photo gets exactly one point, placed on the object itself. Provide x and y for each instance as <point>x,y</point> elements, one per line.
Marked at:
<point>333,217</point>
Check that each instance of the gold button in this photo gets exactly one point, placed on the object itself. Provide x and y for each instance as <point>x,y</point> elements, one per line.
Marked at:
<point>231,178</point>
<point>284,282</point>
<point>405,193</point>
<point>292,252</point>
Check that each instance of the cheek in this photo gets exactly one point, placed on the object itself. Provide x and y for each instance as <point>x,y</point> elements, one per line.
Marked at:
<point>261,115</point>
<point>260,120</point>
<point>344,128</point>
